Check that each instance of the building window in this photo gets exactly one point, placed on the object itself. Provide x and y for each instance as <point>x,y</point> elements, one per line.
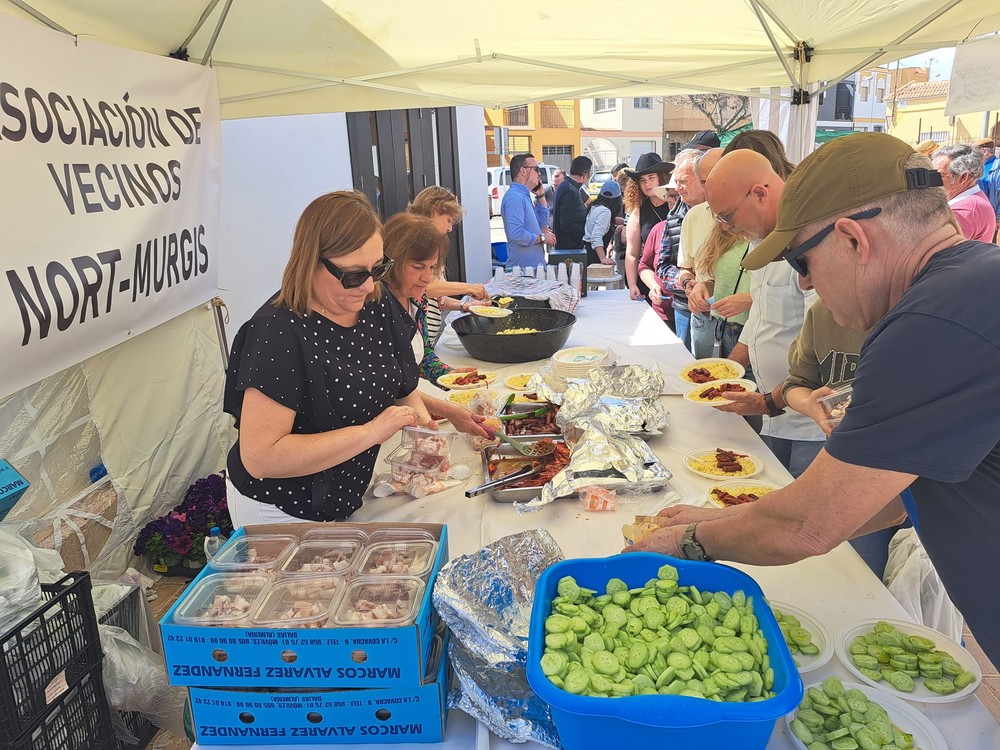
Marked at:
<point>879,129</point>
<point>863,92</point>
<point>642,102</point>
<point>548,151</point>
<point>605,105</point>
<point>516,117</point>
<point>519,144</point>
<point>880,93</point>
<point>941,136</point>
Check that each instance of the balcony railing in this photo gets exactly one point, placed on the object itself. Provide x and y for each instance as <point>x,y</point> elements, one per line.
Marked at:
<point>557,116</point>
<point>516,117</point>
<point>843,113</point>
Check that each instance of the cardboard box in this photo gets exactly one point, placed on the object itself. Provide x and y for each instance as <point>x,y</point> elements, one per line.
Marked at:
<point>329,717</point>
<point>341,657</point>
<point>12,486</point>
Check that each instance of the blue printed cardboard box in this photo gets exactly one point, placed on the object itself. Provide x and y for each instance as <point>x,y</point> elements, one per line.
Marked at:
<point>340,657</point>
<point>327,717</point>
<point>12,486</point>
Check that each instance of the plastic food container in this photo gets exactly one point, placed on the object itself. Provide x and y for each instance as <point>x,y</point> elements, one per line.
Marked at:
<point>414,558</point>
<point>673,721</point>
<point>306,602</point>
<point>400,535</point>
<point>222,600</point>
<point>836,404</point>
<point>338,532</point>
<point>380,603</point>
<point>407,465</point>
<point>426,441</point>
<point>322,556</point>
<point>262,552</point>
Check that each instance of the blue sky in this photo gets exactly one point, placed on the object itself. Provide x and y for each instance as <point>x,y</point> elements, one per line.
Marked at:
<point>939,61</point>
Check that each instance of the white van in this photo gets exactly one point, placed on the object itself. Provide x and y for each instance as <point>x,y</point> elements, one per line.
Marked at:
<point>498,180</point>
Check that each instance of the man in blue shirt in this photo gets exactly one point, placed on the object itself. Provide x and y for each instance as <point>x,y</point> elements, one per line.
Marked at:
<point>990,182</point>
<point>524,223</point>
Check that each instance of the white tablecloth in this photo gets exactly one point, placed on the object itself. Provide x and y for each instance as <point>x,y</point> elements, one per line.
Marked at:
<point>838,588</point>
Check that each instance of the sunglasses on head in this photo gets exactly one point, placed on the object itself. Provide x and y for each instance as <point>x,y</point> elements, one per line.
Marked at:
<point>799,263</point>
<point>354,279</point>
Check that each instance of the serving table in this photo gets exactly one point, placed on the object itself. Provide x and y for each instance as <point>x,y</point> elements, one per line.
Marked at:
<point>837,589</point>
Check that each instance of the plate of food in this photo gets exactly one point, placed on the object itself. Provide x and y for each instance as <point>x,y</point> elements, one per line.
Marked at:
<point>807,638</point>
<point>884,717</point>
<point>710,369</point>
<point>518,382</point>
<point>460,381</point>
<point>714,393</point>
<point>945,671</point>
<point>720,462</point>
<point>488,311</point>
<point>738,492</point>
<point>462,398</point>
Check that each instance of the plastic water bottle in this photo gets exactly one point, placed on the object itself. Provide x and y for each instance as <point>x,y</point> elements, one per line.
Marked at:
<point>213,543</point>
<point>529,271</point>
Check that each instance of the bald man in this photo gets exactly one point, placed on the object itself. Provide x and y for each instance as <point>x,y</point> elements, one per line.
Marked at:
<point>743,192</point>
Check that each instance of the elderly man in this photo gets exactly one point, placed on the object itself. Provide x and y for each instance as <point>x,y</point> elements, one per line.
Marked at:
<point>990,181</point>
<point>961,167</point>
<point>550,192</point>
<point>744,191</point>
<point>863,222</point>
<point>525,224</point>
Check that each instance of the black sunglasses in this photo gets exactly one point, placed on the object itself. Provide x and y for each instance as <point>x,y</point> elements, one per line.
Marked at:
<point>354,279</point>
<point>799,264</point>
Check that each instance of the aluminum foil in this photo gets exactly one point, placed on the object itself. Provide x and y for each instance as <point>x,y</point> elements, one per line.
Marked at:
<point>637,416</point>
<point>485,598</point>
<point>632,381</point>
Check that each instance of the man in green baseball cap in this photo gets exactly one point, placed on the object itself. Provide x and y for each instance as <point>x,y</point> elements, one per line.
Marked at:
<point>864,221</point>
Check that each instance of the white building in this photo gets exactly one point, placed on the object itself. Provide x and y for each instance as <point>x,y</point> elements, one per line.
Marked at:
<point>857,104</point>
<point>616,130</point>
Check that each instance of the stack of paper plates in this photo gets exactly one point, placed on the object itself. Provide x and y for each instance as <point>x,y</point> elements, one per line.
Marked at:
<point>578,361</point>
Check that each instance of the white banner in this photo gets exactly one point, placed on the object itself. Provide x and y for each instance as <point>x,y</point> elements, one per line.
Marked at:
<point>109,196</point>
<point>975,77</point>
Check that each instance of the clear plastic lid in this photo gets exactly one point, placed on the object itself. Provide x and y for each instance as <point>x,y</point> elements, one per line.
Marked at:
<point>835,404</point>
<point>398,558</point>
<point>380,602</point>
<point>407,464</point>
<point>427,441</point>
<point>258,552</point>
<point>222,599</point>
<point>329,556</point>
<point>398,534</point>
<point>337,531</point>
<point>306,602</point>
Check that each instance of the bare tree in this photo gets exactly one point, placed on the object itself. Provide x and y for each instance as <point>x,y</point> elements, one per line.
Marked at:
<point>724,111</point>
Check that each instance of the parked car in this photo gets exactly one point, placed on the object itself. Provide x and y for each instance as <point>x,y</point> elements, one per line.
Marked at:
<point>498,181</point>
<point>596,180</point>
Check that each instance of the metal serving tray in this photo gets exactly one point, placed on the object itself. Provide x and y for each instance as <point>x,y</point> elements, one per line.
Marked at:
<point>511,494</point>
<point>526,408</point>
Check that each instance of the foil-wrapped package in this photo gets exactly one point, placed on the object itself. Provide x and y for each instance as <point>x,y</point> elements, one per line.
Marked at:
<point>631,381</point>
<point>637,416</point>
<point>485,598</point>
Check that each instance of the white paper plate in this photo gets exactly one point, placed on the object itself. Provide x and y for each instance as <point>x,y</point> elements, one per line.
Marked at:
<point>511,381</point>
<point>488,311</point>
<point>738,371</point>
<point>920,694</point>
<point>758,464</point>
<point>580,356</point>
<point>447,380</point>
<point>462,398</point>
<point>735,484</point>
<point>821,637</point>
<point>905,717</point>
<point>692,395</point>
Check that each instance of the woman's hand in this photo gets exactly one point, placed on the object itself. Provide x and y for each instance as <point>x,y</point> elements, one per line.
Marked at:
<point>463,419</point>
<point>655,295</point>
<point>478,291</point>
<point>634,293</point>
<point>733,305</point>
<point>816,410</point>
<point>392,420</point>
<point>698,298</point>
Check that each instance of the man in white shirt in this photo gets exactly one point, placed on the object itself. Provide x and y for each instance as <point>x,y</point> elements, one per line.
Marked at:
<point>743,191</point>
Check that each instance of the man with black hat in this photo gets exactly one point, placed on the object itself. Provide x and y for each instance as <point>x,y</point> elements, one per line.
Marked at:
<point>650,172</point>
<point>863,221</point>
<point>704,140</point>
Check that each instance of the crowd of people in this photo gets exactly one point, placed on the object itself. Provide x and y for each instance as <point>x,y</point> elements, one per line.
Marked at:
<point>869,263</point>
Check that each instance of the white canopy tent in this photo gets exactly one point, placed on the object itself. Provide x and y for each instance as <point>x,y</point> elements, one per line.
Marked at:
<point>279,57</point>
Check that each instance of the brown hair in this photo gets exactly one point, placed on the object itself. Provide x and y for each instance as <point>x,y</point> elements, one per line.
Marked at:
<point>333,225</point>
<point>436,199</point>
<point>409,237</point>
<point>768,145</point>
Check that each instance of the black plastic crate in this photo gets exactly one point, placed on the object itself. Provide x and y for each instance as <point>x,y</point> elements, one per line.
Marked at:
<point>79,719</point>
<point>126,615</point>
<point>59,637</point>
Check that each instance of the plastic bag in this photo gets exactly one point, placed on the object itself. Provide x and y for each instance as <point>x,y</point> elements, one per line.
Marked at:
<point>135,679</point>
<point>911,578</point>
<point>20,591</point>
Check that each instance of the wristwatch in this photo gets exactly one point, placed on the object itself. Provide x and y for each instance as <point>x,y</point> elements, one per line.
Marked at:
<point>690,548</point>
<point>772,408</point>
<point>541,239</point>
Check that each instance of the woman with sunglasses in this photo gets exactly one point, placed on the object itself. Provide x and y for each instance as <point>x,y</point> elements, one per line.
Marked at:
<point>321,375</point>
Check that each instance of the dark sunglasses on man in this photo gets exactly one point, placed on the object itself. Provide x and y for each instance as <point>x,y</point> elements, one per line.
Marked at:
<point>354,279</point>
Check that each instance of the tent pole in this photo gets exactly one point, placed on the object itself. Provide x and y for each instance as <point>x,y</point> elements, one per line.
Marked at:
<point>774,43</point>
<point>215,35</point>
<point>41,17</point>
<point>197,27</point>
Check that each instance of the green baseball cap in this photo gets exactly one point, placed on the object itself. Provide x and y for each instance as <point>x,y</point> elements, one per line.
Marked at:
<point>849,171</point>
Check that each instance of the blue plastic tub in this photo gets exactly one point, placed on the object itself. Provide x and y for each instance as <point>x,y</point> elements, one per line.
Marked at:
<point>499,251</point>
<point>662,721</point>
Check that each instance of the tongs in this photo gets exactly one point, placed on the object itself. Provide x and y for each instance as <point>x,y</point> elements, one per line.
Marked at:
<point>523,473</point>
<point>532,450</point>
